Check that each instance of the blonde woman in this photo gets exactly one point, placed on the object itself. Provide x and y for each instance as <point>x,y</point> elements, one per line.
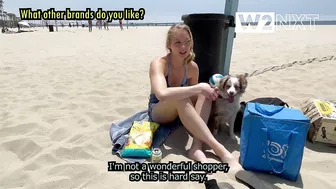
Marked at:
<point>176,94</point>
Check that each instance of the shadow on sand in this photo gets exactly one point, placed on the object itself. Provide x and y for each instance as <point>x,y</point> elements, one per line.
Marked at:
<point>178,142</point>
<point>274,179</point>
<point>318,147</point>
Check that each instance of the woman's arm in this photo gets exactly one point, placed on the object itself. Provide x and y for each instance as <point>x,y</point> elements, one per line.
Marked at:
<point>160,89</point>
<point>193,77</point>
<point>193,72</point>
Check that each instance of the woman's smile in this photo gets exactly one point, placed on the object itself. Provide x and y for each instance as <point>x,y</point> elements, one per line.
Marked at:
<point>183,52</point>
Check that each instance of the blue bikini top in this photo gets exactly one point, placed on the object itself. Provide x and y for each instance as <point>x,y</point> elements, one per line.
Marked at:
<point>184,81</point>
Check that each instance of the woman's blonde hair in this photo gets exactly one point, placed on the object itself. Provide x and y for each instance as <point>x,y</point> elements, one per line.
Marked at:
<point>185,27</point>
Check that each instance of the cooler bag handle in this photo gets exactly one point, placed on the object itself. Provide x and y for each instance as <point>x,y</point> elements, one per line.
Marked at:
<point>290,146</point>
<point>267,109</point>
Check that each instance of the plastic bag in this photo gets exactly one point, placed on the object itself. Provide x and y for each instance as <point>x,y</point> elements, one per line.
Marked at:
<point>140,140</point>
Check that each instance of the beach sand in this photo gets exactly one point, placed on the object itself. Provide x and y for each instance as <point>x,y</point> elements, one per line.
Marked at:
<point>61,91</point>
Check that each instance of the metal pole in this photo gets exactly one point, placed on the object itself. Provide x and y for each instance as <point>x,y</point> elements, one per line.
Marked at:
<point>231,7</point>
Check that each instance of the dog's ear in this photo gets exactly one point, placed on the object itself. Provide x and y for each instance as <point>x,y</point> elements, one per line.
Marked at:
<point>242,82</point>
<point>223,81</point>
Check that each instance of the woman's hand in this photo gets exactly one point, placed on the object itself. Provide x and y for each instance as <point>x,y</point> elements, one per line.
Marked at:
<point>209,92</point>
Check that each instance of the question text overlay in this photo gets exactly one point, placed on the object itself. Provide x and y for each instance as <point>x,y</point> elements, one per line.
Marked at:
<point>88,14</point>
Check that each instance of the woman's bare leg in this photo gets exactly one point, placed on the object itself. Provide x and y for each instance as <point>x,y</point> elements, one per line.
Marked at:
<point>195,125</point>
<point>166,112</point>
<point>203,108</point>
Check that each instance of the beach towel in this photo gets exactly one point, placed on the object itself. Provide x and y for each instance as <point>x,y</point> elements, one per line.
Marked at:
<point>119,134</point>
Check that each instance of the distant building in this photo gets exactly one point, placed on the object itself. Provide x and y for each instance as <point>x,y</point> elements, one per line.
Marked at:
<point>7,19</point>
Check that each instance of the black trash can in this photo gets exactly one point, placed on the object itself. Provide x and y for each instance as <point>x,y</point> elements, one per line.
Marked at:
<point>51,28</point>
<point>208,32</point>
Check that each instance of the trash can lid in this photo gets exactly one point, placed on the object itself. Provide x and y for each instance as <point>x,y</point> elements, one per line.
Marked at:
<point>207,16</point>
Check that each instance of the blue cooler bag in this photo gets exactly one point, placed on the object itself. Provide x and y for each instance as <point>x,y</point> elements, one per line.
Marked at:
<point>272,139</point>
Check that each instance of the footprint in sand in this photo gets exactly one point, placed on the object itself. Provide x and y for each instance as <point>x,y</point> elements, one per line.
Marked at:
<point>41,161</point>
<point>95,117</point>
<point>59,95</point>
<point>59,134</point>
<point>83,122</point>
<point>78,139</point>
<point>120,84</point>
<point>36,108</point>
<point>139,98</point>
<point>24,147</point>
<point>50,119</point>
<point>77,152</point>
<point>291,80</point>
<point>101,140</point>
<point>63,176</point>
<point>124,110</point>
<point>16,179</point>
<point>111,118</point>
<point>54,182</point>
<point>302,70</point>
<point>72,106</point>
<point>100,93</point>
<point>19,129</point>
<point>7,68</point>
<point>4,93</point>
<point>5,115</point>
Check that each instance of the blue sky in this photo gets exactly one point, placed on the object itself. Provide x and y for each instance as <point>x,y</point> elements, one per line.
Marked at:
<point>171,10</point>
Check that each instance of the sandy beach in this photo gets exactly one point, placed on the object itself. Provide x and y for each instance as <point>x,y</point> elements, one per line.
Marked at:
<point>61,91</point>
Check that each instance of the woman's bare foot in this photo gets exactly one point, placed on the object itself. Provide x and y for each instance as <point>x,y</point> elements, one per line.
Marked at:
<point>227,157</point>
<point>233,164</point>
<point>197,154</point>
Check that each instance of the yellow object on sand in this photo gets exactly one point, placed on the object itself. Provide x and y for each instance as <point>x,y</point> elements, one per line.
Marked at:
<point>140,139</point>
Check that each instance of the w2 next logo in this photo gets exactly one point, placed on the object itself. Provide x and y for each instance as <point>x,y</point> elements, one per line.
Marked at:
<point>267,22</point>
